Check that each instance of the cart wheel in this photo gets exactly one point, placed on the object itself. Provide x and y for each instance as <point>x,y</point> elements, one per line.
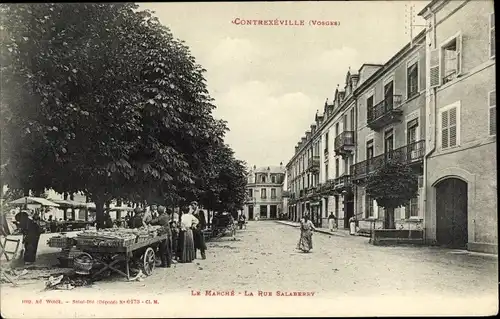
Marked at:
<point>149,261</point>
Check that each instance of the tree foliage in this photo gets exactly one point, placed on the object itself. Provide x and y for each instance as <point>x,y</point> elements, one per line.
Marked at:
<point>101,98</point>
<point>393,185</point>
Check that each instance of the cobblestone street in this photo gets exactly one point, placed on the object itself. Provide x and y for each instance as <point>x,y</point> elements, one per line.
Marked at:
<point>263,258</point>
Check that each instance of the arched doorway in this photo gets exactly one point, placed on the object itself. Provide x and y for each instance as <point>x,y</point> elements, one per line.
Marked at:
<point>451,213</point>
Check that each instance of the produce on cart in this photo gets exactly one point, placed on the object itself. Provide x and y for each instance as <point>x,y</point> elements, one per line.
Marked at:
<point>116,247</point>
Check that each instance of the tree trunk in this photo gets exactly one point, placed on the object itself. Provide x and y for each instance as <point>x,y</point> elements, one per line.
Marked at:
<point>390,218</point>
<point>99,212</point>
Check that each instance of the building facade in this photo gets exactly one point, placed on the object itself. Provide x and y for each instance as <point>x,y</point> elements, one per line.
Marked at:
<point>461,184</point>
<point>264,193</point>
<point>338,136</point>
<point>391,126</point>
<point>432,106</point>
<point>303,176</point>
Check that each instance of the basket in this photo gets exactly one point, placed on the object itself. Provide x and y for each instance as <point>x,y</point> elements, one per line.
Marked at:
<point>82,264</point>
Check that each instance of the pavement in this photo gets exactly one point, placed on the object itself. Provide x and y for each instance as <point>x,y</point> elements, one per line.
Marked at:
<point>343,275</point>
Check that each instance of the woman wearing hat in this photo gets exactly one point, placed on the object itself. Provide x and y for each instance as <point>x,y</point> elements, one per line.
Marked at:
<point>185,247</point>
<point>31,235</point>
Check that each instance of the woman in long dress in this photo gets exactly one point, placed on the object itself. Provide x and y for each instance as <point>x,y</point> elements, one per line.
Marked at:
<point>306,231</point>
<point>31,235</point>
<point>185,246</point>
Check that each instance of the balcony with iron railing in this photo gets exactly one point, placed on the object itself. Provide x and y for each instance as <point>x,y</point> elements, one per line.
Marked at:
<point>344,143</point>
<point>327,187</point>
<point>412,154</point>
<point>313,164</point>
<point>343,183</point>
<point>385,112</point>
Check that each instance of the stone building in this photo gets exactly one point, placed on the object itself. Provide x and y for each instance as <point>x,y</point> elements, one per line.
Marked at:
<point>461,173</point>
<point>391,126</point>
<point>264,192</point>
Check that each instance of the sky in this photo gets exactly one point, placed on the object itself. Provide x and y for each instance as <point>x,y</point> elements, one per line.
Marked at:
<point>268,81</point>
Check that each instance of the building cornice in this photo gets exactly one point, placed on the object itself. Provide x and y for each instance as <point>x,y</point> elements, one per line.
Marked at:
<point>394,60</point>
<point>406,50</point>
<point>433,5</point>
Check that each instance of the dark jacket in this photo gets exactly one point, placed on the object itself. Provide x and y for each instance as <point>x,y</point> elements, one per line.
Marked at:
<point>164,221</point>
<point>201,217</point>
<point>135,222</point>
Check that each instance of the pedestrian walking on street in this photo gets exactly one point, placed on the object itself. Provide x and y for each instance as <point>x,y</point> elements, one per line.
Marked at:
<point>242,221</point>
<point>332,222</point>
<point>186,242</point>
<point>199,239</point>
<point>306,232</point>
<point>352,225</point>
<point>165,245</point>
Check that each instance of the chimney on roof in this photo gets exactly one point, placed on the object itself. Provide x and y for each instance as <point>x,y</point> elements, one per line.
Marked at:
<point>268,168</point>
<point>281,163</point>
<point>254,167</point>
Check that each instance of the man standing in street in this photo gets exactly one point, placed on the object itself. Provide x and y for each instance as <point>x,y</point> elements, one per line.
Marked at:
<point>173,220</point>
<point>199,240</point>
<point>165,245</point>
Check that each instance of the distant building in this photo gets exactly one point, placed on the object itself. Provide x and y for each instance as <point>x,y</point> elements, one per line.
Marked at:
<point>264,192</point>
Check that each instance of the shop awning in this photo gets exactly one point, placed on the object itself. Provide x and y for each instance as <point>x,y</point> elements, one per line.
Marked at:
<point>33,200</point>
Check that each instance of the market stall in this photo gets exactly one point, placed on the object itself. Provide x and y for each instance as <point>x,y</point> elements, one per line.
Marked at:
<point>112,248</point>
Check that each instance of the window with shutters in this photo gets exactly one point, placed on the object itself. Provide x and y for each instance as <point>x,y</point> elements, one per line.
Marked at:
<point>352,119</point>
<point>326,143</point>
<point>451,59</point>
<point>492,35</point>
<point>411,209</point>
<point>273,193</point>
<point>450,126</point>
<point>369,106</point>
<point>337,164</point>
<point>369,207</point>
<point>263,194</point>
<point>412,80</point>
<point>434,68</point>
<point>411,139</point>
<point>492,102</point>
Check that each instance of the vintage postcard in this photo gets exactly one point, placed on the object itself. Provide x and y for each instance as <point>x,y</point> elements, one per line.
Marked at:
<point>248,159</point>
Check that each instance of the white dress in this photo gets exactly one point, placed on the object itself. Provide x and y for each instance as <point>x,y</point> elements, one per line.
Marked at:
<point>187,221</point>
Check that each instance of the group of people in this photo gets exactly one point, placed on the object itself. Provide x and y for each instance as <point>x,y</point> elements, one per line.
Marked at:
<point>184,232</point>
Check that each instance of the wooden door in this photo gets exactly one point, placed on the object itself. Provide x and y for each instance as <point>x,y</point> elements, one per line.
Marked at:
<point>451,213</point>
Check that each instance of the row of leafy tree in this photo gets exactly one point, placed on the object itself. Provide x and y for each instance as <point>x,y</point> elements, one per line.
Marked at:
<point>100,98</point>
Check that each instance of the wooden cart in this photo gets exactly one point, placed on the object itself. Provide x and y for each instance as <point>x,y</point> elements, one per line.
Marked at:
<point>111,257</point>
